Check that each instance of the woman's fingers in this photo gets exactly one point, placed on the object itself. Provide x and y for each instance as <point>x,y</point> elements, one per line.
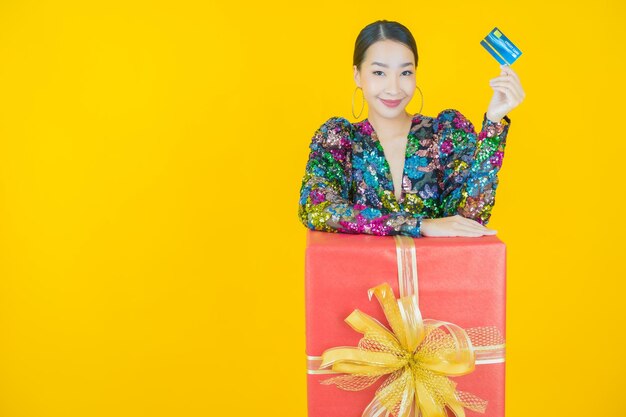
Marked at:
<point>467,231</point>
<point>456,225</point>
<point>509,92</point>
<point>511,88</point>
<point>507,76</point>
<point>499,78</point>
<point>469,225</point>
<point>508,82</point>
<point>468,222</point>
<point>511,76</point>
<point>510,71</point>
<point>468,234</point>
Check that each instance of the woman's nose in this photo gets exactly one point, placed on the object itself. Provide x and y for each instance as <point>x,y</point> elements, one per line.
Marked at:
<point>392,86</point>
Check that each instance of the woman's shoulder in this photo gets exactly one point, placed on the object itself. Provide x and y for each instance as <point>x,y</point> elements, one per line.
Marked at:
<point>335,132</point>
<point>452,118</point>
<point>337,123</point>
<point>449,115</point>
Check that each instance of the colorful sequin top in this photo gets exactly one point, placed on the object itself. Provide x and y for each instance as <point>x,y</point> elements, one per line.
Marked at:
<point>449,169</point>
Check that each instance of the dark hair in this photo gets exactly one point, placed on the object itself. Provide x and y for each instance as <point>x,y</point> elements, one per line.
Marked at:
<point>378,31</point>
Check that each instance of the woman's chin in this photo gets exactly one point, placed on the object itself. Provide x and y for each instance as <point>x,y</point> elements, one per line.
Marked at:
<point>391,112</point>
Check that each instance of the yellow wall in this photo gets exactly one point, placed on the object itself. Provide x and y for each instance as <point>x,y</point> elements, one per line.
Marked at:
<point>151,258</point>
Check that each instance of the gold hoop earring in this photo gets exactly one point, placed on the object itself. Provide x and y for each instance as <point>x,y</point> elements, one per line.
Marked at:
<point>420,90</point>
<point>362,106</point>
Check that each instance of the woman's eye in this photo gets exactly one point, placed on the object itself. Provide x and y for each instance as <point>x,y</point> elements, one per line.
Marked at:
<point>407,72</point>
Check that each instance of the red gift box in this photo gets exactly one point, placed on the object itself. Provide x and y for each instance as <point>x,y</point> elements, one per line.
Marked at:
<point>460,280</point>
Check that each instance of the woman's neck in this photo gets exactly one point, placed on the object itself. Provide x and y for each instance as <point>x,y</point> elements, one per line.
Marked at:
<point>391,128</point>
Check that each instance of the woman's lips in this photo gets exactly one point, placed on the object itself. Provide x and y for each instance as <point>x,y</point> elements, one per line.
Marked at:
<point>391,103</point>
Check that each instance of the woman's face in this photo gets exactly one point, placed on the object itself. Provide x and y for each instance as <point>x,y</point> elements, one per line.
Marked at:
<point>387,77</point>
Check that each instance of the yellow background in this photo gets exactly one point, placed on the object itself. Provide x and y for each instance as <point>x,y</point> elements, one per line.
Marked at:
<point>151,153</point>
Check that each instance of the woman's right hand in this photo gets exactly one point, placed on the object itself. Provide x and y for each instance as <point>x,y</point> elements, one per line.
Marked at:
<point>453,226</point>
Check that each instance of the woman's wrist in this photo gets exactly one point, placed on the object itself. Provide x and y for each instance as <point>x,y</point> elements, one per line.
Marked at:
<point>501,121</point>
<point>494,118</point>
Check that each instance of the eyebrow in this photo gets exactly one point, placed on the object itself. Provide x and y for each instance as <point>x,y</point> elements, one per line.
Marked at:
<point>406,64</point>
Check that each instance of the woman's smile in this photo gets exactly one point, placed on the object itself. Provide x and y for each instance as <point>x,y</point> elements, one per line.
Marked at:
<point>391,103</point>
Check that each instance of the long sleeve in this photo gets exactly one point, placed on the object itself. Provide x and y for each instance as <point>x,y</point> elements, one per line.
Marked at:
<point>325,192</point>
<point>470,164</point>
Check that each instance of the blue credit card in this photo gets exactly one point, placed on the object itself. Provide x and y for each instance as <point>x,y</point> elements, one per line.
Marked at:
<point>500,47</point>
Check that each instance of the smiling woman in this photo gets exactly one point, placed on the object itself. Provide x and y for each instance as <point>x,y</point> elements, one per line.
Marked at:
<point>396,173</point>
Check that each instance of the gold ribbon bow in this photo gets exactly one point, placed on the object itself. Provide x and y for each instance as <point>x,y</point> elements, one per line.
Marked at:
<point>418,355</point>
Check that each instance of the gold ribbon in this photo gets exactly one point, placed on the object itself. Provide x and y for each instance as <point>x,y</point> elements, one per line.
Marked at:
<point>418,355</point>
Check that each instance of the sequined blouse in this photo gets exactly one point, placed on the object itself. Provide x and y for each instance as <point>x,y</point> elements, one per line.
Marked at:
<point>449,169</point>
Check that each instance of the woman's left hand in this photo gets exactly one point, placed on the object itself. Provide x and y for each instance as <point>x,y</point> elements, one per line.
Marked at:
<point>508,94</point>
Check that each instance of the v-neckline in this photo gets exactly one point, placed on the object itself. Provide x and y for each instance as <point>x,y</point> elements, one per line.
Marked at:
<point>379,146</point>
